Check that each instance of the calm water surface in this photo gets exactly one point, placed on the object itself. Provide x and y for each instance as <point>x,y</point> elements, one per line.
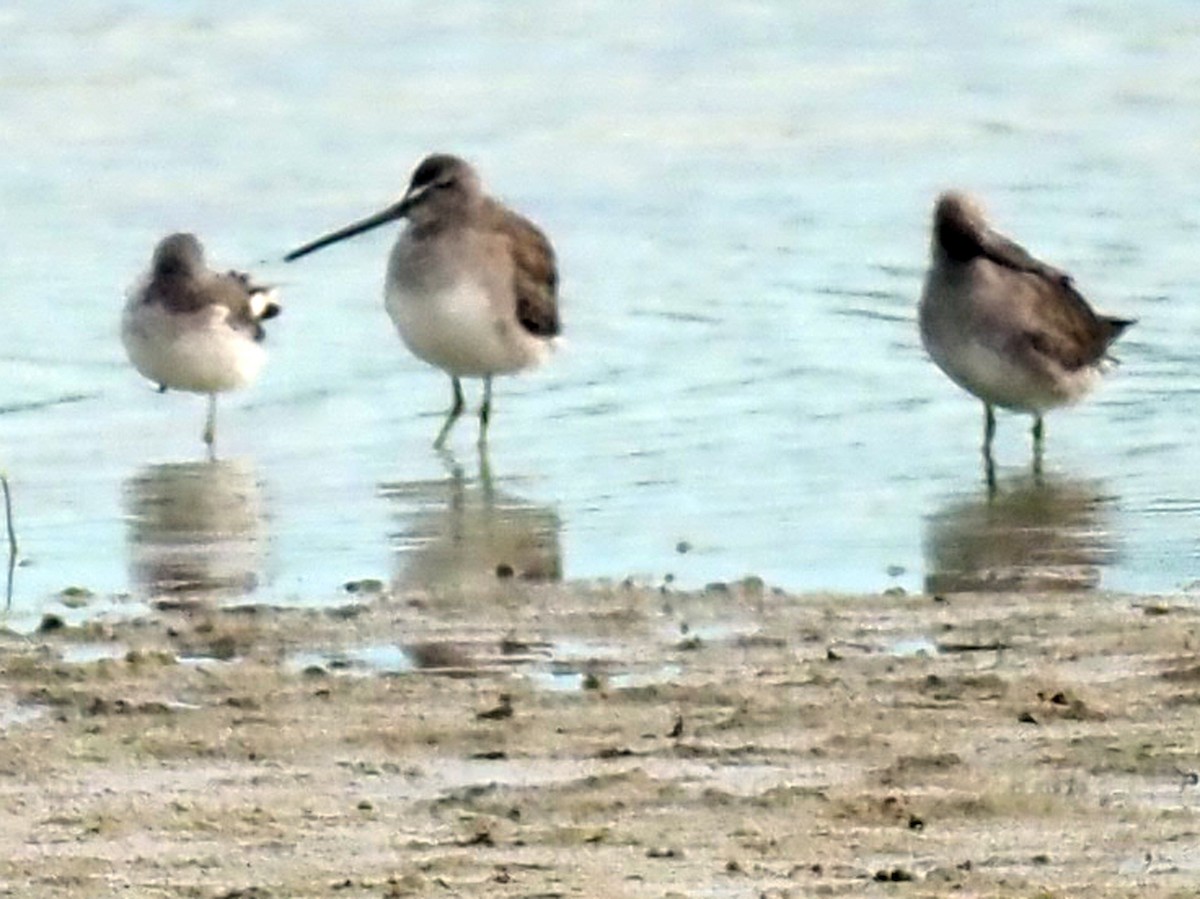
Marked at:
<point>739,193</point>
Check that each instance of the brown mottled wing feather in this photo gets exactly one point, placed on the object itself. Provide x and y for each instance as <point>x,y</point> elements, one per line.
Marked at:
<point>232,290</point>
<point>1068,330</point>
<point>1011,254</point>
<point>535,274</point>
<point>249,290</point>
<point>238,292</point>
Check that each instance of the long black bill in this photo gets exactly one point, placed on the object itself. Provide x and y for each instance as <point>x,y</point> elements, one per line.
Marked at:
<point>393,212</point>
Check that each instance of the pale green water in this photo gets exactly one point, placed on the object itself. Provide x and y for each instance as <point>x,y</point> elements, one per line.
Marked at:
<point>739,193</point>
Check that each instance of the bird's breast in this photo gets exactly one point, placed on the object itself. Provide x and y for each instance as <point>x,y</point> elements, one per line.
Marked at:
<point>461,329</point>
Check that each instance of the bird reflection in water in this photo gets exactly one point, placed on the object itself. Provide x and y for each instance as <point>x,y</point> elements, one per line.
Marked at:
<point>463,534</point>
<point>196,530</point>
<point>1034,533</point>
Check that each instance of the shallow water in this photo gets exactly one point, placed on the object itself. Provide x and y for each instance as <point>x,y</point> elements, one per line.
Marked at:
<point>739,194</point>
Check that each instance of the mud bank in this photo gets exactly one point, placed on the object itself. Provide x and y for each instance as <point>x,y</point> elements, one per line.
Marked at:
<point>605,741</point>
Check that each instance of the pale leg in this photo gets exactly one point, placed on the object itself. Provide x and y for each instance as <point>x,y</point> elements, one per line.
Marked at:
<point>455,411</point>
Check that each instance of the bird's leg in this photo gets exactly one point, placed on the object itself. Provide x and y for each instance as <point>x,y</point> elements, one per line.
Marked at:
<point>989,428</point>
<point>12,539</point>
<point>485,411</point>
<point>989,431</point>
<point>210,425</point>
<point>455,411</point>
<point>1039,432</point>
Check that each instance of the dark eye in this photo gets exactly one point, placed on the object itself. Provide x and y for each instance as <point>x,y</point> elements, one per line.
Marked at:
<point>448,182</point>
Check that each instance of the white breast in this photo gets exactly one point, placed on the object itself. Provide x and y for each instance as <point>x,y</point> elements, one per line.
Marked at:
<point>196,351</point>
<point>458,329</point>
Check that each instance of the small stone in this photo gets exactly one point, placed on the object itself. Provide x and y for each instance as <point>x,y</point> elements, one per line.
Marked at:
<point>364,585</point>
<point>754,586</point>
<point>75,597</point>
<point>503,710</point>
<point>664,852</point>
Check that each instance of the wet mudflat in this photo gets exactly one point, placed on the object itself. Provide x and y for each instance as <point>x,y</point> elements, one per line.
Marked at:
<point>519,739</point>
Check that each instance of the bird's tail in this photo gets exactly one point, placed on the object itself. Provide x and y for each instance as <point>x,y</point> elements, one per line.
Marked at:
<point>1114,328</point>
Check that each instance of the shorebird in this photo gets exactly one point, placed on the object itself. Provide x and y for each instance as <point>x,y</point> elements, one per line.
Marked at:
<point>187,327</point>
<point>1005,326</point>
<point>471,285</point>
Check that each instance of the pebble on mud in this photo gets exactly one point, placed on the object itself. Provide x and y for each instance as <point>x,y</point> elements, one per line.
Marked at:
<point>664,852</point>
<point>503,710</point>
<point>75,597</point>
<point>364,585</point>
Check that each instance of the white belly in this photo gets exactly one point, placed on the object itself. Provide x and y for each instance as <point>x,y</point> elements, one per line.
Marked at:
<point>196,352</point>
<point>1002,381</point>
<point>458,330</point>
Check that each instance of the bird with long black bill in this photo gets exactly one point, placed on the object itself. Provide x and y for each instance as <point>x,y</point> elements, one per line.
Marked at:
<point>472,286</point>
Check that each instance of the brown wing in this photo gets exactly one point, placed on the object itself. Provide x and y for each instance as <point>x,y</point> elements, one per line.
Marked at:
<point>233,290</point>
<point>535,273</point>
<point>1068,331</point>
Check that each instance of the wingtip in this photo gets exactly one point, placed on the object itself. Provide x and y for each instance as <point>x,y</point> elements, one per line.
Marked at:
<point>1120,325</point>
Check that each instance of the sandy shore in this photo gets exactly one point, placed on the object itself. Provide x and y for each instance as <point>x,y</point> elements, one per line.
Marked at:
<point>608,741</point>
